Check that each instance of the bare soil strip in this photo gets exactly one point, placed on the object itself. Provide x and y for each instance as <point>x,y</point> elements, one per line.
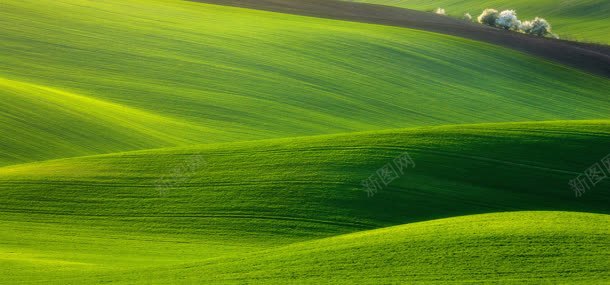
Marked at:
<point>592,58</point>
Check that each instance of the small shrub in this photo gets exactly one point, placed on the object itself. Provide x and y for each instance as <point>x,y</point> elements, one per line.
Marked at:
<point>440,11</point>
<point>526,27</point>
<point>488,17</point>
<point>538,27</point>
<point>467,17</point>
<point>508,20</point>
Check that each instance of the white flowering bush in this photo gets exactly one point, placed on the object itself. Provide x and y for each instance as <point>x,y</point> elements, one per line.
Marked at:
<point>508,20</point>
<point>538,27</point>
<point>526,27</point>
<point>440,11</point>
<point>467,17</point>
<point>488,17</point>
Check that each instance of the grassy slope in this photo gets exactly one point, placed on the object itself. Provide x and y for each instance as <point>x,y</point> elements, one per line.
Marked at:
<point>522,247</point>
<point>582,20</point>
<point>202,66</point>
<point>98,214</point>
<point>83,77</point>
<point>40,123</point>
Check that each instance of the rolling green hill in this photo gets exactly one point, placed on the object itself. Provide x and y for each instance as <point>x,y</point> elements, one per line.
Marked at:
<point>41,122</point>
<point>579,20</point>
<point>100,214</point>
<point>170,142</point>
<point>205,73</point>
<point>522,247</point>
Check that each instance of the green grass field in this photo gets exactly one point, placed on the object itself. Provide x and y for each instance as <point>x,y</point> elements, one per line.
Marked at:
<point>483,249</point>
<point>171,142</point>
<point>584,20</point>
<point>253,197</point>
<point>199,74</point>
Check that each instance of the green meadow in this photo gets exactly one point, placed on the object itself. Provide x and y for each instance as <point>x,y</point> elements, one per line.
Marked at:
<point>266,197</point>
<point>171,142</point>
<point>203,74</point>
<point>583,20</point>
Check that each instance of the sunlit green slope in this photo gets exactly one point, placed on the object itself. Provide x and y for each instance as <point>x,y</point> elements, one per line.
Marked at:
<point>204,73</point>
<point>582,20</point>
<point>80,77</point>
<point>521,248</point>
<point>126,211</point>
<point>41,123</point>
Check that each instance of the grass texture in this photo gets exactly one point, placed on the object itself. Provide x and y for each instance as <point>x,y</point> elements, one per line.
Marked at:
<point>104,76</point>
<point>175,142</point>
<point>95,215</point>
